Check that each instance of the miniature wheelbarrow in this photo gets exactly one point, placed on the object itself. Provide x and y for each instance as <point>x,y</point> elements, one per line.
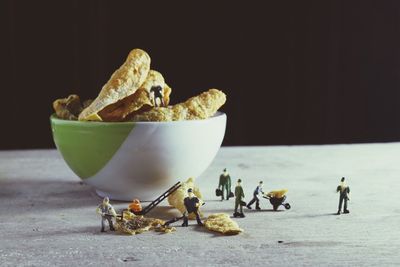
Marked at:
<point>277,198</point>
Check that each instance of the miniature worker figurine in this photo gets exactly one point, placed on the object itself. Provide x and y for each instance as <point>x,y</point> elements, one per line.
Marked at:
<point>225,183</point>
<point>255,196</point>
<point>135,206</point>
<point>156,93</point>
<point>239,199</point>
<point>192,205</point>
<point>107,212</point>
<point>344,196</point>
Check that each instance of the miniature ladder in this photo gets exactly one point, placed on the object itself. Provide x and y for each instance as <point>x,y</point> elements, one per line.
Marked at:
<point>159,199</point>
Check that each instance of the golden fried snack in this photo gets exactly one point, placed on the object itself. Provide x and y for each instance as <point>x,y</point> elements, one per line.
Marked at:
<point>68,108</point>
<point>124,82</point>
<point>132,224</point>
<point>140,100</point>
<point>222,223</point>
<point>199,107</point>
<point>176,198</point>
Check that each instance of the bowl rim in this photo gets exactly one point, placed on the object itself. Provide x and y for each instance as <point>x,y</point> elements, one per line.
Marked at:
<point>55,119</point>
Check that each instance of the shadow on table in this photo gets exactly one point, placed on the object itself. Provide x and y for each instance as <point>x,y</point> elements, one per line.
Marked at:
<point>46,194</point>
<point>94,230</point>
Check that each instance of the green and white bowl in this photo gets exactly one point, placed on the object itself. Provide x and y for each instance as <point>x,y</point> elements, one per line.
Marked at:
<point>127,160</point>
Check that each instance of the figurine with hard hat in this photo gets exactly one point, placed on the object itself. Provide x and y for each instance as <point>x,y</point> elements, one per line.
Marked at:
<point>107,212</point>
<point>192,205</point>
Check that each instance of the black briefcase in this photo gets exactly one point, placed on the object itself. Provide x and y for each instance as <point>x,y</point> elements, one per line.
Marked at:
<point>242,203</point>
<point>218,192</point>
<point>231,194</point>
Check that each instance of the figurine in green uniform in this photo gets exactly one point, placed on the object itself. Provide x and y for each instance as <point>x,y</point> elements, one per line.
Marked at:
<point>239,200</point>
<point>225,184</point>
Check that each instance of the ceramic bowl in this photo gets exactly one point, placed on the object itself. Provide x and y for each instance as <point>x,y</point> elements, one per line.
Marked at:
<point>127,160</point>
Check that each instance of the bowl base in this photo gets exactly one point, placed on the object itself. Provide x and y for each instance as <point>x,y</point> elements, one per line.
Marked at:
<point>120,196</point>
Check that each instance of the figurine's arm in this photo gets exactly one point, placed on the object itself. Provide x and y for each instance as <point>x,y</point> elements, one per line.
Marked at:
<point>220,181</point>
<point>98,211</point>
<point>112,211</point>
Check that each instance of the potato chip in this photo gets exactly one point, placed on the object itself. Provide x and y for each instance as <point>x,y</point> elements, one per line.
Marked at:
<point>123,83</point>
<point>68,108</point>
<point>222,223</point>
<point>176,198</point>
<point>140,100</point>
<point>199,107</point>
<point>132,224</point>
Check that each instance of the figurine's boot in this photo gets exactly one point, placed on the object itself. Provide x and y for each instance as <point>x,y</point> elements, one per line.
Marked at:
<point>102,225</point>
<point>258,206</point>
<point>185,222</point>
<point>346,211</point>
<point>199,222</point>
<point>110,223</point>
<point>236,214</point>
<point>338,212</point>
<point>248,206</point>
<point>241,215</point>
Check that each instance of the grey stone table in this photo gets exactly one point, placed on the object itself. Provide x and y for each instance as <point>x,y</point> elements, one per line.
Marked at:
<point>47,217</point>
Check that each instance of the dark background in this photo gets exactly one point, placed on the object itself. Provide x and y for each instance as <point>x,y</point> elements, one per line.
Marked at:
<point>295,72</point>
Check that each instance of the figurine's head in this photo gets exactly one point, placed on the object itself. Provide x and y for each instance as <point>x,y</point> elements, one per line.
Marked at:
<point>190,192</point>
<point>239,181</point>
<point>342,180</point>
<point>261,183</point>
<point>225,170</point>
<point>106,200</point>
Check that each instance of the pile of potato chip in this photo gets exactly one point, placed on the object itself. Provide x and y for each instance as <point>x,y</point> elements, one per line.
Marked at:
<point>132,224</point>
<point>136,93</point>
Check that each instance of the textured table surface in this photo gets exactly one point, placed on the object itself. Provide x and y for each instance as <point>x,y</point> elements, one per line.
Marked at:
<point>47,217</point>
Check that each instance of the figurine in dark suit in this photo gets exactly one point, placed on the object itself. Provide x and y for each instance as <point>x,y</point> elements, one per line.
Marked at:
<point>344,191</point>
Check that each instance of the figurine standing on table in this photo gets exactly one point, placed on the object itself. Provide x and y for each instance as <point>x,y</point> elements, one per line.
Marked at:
<point>239,200</point>
<point>225,184</point>
<point>107,212</point>
<point>344,196</point>
<point>192,205</point>
<point>257,191</point>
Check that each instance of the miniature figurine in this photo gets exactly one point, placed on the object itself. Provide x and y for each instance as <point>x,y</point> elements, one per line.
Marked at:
<point>255,196</point>
<point>107,212</point>
<point>156,92</point>
<point>225,184</point>
<point>192,205</point>
<point>135,207</point>
<point>344,196</point>
<point>239,200</point>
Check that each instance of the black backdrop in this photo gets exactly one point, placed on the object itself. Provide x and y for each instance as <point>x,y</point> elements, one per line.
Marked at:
<point>295,72</point>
